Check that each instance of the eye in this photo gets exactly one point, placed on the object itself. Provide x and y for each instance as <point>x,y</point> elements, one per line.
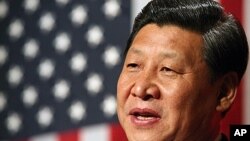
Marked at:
<point>132,65</point>
<point>166,69</point>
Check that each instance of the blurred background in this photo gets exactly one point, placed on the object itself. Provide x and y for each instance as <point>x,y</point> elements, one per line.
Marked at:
<point>59,63</point>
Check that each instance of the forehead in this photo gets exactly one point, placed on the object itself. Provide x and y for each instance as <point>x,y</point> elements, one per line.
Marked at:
<point>168,40</point>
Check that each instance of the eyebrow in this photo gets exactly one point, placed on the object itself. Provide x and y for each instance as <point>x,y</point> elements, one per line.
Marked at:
<point>135,50</point>
<point>166,54</point>
<point>169,54</point>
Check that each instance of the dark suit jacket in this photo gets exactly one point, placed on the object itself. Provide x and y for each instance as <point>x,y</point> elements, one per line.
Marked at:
<point>224,137</point>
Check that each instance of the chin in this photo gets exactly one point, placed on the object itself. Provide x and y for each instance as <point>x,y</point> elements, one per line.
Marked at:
<point>146,135</point>
<point>146,138</point>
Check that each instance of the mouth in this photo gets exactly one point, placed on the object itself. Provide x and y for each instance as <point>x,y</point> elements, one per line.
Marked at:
<point>144,117</point>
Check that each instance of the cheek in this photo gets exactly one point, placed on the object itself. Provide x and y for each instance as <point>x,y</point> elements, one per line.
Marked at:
<point>181,100</point>
<point>177,93</point>
<point>177,103</point>
<point>123,90</point>
<point>182,109</point>
<point>189,102</point>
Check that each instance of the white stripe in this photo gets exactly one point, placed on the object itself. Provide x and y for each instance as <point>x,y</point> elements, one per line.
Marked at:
<point>45,137</point>
<point>95,133</point>
<point>136,6</point>
<point>246,97</point>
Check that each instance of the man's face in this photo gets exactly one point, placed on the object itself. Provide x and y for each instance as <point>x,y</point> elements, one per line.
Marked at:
<point>164,91</point>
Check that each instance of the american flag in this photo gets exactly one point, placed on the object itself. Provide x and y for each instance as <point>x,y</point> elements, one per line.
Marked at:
<point>59,63</point>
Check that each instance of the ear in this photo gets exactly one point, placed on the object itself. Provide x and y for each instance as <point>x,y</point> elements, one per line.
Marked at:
<point>228,90</point>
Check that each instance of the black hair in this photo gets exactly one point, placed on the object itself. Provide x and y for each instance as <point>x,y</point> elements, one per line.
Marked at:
<point>225,43</point>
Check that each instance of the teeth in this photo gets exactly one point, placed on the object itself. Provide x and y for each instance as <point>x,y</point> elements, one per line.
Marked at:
<point>144,118</point>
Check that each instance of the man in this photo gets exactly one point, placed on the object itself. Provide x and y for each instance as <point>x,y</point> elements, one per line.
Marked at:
<point>183,63</point>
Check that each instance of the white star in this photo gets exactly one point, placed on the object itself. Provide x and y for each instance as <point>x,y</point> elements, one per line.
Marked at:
<point>15,75</point>
<point>3,55</point>
<point>78,62</point>
<point>78,15</point>
<point>16,29</point>
<point>13,123</point>
<point>77,111</point>
<point>29,96</point>
<point>108,106</point>
<point>3,9</point>
<point>94,83</point>
<point>30,49</point>
<point>31,5</point>
<point>61,90</point>
<point>111,9</point>
<point>111,56</point>
<point>44,117</point>
<point>46,69</point>
<point>47,22</point>
<point>62,2</point>
<point>62,42</point>
<point>94,36</point>
<point>3,101</point>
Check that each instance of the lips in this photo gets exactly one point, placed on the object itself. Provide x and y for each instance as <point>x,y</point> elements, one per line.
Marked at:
<point>144,116</point>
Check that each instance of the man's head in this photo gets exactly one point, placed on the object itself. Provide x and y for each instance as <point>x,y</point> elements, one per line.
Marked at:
<point>183,63</point>
<point>225,44</point>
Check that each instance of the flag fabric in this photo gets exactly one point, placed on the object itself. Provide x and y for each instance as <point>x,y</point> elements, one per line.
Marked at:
<point>59,63</point>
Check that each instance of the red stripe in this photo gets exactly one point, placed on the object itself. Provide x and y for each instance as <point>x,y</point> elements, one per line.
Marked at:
<point>235,7</point>
<point>235,116</point>
<point>69,136</point>
<point>117,133</point>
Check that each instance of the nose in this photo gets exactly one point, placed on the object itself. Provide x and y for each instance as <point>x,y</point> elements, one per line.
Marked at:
<point>145,89</point>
